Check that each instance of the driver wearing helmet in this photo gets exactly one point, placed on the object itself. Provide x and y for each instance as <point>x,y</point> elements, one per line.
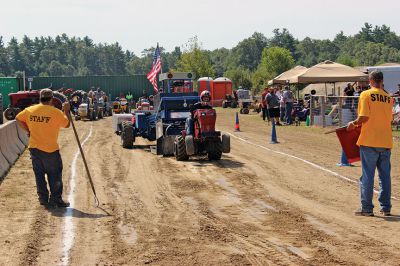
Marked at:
<point>205,99</point>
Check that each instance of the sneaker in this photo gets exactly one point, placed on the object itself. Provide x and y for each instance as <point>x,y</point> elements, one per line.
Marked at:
<point>360,212</point>
<point>59,203</point>
<point>385,213</point>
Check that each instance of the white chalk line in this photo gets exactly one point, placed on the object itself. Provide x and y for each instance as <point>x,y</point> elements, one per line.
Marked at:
<point>304,161</point>
<point>68,230</point>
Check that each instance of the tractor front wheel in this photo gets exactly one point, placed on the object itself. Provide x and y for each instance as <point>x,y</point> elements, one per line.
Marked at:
<point>189,145</point>
<point>180,149</point>
<point>214,150</point>
<point>226,143</point>
<point>10,113</point>
<point>127,135</point>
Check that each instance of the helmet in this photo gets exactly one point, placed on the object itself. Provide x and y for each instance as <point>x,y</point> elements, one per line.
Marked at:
<point>205,94</point>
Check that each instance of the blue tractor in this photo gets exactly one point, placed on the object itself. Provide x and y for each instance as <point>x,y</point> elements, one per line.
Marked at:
<point>165,119</point>
<point>166,122</point>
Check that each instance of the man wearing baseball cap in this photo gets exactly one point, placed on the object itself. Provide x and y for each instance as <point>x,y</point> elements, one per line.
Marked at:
<point>43,122</point>
<point>375,141</point>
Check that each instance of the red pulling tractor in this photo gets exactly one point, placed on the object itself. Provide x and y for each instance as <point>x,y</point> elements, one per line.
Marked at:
<point>23,99</point>
<point>205,140</point>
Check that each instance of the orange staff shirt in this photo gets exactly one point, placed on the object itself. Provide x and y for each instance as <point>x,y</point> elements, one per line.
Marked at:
<point>376,104</point>
<point>44,123</point>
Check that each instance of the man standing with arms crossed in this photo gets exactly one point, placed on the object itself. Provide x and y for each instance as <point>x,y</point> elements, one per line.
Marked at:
<point>43,122</point>
<point>375,141</point>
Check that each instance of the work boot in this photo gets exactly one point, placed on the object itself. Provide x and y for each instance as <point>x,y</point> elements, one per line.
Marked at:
<point>361,212</point>
<point>385,213</point>
<point>43,202</point>
<point>60,203</point>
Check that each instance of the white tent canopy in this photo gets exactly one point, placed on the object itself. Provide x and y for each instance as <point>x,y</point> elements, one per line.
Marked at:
<point>330,72</point>
<point>289,76</point>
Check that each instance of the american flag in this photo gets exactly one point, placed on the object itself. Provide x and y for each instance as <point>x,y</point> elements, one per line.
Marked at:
<point>152,76</point>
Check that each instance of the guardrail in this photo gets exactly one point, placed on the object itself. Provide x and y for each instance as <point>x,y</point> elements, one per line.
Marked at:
<point>13,142</point>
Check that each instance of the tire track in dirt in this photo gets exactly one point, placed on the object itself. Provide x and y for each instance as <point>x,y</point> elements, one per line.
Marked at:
<point>39,230</point>
<point>326,244</point>
<point>290,228</point>
<point>35,238</point>
<point>69,227</point>
<point>224,228</point>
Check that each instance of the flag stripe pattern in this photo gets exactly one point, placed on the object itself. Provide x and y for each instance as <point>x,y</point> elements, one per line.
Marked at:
<point>152,75</point>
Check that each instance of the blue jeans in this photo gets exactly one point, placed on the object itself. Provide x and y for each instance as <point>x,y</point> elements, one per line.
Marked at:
<point>189,126</point>
<point>51,164</point>
<point>372,158</point>
<point>288,114</point>
<point>265,113</point>
<point>282,113</point>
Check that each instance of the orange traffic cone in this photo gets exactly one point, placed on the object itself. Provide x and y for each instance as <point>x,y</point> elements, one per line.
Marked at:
<point>237,127</point>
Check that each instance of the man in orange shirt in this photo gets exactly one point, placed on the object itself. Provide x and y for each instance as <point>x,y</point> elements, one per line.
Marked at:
<point>375,141</point>
<point>43,122</point>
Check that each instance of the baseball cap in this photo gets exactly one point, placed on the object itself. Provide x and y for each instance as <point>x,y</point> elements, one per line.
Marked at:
<point>46,93</point>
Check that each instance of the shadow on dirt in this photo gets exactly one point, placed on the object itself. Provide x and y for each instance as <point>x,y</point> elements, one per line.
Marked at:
<point>392,218</point>
<point>72,212</point>
<point>225,162</point>
<point>140,147</point>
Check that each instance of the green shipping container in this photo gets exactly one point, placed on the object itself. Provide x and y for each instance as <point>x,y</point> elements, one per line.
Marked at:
<point>114,85</point>
<point>8,85</point>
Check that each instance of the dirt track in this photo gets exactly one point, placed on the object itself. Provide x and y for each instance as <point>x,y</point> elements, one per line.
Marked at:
<point>254,207</point>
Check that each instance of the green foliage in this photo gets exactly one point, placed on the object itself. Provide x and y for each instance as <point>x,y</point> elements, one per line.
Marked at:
<point>195,60</point>
<point>346,60</point>
<point>276,60</point>
<point>251,63</point>
<point>247,53</point>
<point>240,77</point>
<point>283,39</point>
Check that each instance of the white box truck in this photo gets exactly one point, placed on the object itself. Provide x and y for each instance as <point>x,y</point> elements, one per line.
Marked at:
<point>391,77</point>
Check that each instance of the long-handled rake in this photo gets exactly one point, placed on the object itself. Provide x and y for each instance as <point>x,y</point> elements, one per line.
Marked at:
<point>96,200</point>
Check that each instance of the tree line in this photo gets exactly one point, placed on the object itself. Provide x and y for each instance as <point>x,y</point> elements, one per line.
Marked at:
<point>251,63</point>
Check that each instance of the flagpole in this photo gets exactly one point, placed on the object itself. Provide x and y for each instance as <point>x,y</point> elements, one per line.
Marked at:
<point>160,59</point>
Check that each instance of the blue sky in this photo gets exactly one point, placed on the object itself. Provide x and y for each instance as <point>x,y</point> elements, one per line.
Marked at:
<point>137,25</point>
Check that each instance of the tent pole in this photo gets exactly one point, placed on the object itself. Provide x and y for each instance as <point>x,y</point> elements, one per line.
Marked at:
<point>334,89</point>
<point>326,90</point>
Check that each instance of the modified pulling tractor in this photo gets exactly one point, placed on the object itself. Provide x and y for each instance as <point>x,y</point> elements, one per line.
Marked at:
<point>167,122</point>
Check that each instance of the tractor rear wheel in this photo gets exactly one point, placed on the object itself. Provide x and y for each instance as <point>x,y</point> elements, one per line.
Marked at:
<point>127,135</point>
<point>234,104</point>
<point>246,111</point>
<point>180,149</point>
<point>215,150</point>
<point>58,99</point>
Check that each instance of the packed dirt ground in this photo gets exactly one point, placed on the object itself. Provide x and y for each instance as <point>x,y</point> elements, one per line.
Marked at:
<point>254,207</point>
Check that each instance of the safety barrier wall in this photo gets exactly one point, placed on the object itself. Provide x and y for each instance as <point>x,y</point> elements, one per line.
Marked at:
<point>13,142</point>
